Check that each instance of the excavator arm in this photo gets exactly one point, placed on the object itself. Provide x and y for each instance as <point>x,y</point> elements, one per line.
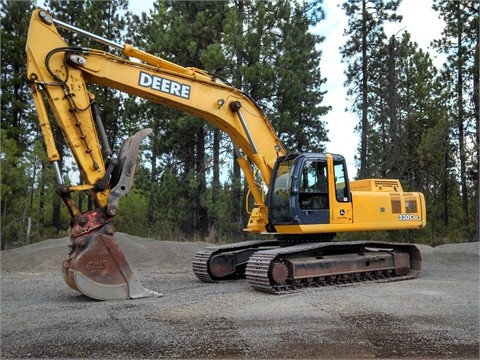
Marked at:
<point>59,73</point>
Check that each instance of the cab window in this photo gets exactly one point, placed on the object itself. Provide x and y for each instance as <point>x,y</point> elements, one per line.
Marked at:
<point>341,188</point>
<point>314,186</point>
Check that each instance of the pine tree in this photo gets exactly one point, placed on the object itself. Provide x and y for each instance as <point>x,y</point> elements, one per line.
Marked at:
<point>186,40</point>
<point>298,95</point>
<point>460,41</point>
<point>273,58</point>
<point>366,35</point>
<point>16,120</point>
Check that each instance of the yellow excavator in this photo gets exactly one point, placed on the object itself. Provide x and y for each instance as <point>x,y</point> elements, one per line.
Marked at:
<point>309,198</point>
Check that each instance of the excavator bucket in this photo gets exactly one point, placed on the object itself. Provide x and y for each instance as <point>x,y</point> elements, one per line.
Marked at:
<point>98,269</point>
<point>95,264</point>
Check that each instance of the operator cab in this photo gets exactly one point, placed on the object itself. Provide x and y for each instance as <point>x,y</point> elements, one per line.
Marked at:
<point>306,189</point>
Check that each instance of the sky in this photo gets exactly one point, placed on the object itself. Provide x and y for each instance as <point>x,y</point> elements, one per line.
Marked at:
<point>419,19</point>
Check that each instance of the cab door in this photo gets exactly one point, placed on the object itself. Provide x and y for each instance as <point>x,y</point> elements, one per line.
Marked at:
<point>340,198</point>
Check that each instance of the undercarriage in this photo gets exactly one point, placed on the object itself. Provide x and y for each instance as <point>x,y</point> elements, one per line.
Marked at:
<point>272,268</point>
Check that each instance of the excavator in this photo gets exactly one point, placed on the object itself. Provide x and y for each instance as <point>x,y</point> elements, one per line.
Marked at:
<point>309,199</point>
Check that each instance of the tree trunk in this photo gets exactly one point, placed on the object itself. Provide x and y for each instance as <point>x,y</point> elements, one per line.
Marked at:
<point>41,203</point>
<point>201,216</point>
<point>57,203</point>
<point>476,99</point>
<point>461,117</point>
<point>217,136</point>
<point>392,110</point>
<point>236,201</point>
<point>153,177</point>
<point>364,129</point>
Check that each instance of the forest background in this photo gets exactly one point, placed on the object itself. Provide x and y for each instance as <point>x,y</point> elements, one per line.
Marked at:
<point>416,122</point>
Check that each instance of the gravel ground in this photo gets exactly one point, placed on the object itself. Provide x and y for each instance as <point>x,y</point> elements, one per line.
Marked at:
<point>433,316</point>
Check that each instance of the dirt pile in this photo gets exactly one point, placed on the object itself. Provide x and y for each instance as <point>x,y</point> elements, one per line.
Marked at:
<point>49,254</point>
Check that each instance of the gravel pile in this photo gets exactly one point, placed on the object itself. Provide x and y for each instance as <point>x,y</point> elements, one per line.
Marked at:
<point>433,316</point>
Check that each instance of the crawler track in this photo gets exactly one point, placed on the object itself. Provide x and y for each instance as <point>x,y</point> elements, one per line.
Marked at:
<point>271,270</point>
